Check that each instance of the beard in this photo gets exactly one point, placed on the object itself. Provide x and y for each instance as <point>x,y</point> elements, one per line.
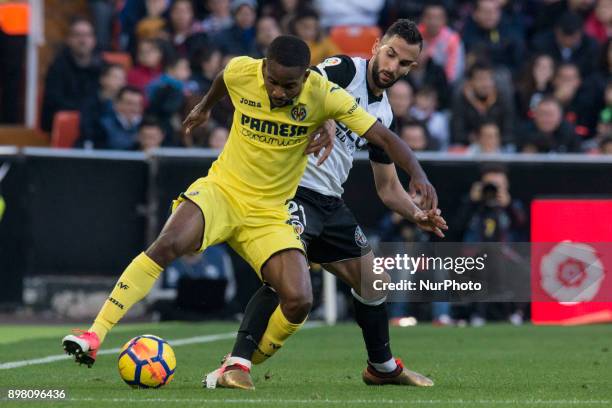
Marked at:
<point>376,76</point>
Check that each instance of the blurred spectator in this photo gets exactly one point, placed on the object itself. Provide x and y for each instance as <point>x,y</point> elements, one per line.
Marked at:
<point>479,100</point>
<point>548,132</point>
<point>102,12</point>
<point>599,24</point>
<point>72,78</point>
<point>207,66</point>
<point>425,111</point>
<point>490,214</point>
<point>580,102</point>
<point>167,94</point>
<point>416,136</point>
<point>306,26</point>
<point>534,83</point>
<point>150,134</point>
<point>218,137</point>
<point>486,31</point>
<point>349,12</point>
<point>119,128</point>
<point>220,16</point>
<point>201,269</point>
<point>284,11</point>
<point>401,98</point>
<point>148,64</point>
<point>428,73</point>
<point>239,39</point>
<point>185,34</point>
<point>266,30</point>
<point>605,146</point>
<point>153,24</point>
<point>488,139</point>
<point>548,12</point>
<point>112,80</point>
<point>568,43</point>
<point>604,124</point>
<point>440,43</point>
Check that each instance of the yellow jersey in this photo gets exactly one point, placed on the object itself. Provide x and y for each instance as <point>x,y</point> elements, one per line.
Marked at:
<point>263,159</point>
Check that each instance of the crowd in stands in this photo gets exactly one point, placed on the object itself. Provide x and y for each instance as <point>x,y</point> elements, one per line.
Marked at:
<point>494,75</point>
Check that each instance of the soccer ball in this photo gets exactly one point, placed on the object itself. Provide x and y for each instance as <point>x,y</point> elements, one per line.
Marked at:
<point>147,361</point>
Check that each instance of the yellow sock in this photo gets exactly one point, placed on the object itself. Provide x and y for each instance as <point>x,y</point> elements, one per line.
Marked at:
<point>279,329</point>
<point>133,285</point>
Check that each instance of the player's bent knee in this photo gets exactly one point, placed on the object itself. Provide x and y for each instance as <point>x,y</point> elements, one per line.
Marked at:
<point>166,248</point>
<point>297,306</point>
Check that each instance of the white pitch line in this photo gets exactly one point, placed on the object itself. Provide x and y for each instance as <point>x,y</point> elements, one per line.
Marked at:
<point>343,402</point>
<point>180,342</point>
<point>175,343</point>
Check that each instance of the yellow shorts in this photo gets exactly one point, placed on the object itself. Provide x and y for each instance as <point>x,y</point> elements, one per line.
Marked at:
<point>255,233</point>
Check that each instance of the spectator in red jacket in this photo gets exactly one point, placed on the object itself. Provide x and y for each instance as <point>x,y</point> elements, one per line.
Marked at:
<point>148,66</point>
<point>599,24</point>
<point>441,43</point>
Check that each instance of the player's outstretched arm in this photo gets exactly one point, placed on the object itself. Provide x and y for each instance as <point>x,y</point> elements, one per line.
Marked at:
<point>404,157</point>
<point>393,195</point>
<point>201,112</point>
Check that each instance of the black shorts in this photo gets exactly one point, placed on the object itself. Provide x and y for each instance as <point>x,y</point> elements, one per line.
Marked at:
<point>327,227</point>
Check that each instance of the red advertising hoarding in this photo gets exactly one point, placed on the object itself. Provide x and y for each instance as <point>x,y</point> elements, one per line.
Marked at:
<point>571,255</point>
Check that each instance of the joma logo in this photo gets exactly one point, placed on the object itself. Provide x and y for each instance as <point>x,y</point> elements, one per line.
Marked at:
<point>250,103</point>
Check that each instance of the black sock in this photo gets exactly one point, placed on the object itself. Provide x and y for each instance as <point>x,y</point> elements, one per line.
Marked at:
<point>374,324</point>
<point>255,321</point>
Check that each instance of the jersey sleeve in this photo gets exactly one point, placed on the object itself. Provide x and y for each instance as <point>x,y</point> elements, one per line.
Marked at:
<point>339,69</point>
<point>233,72</point>
<point>342,107</point>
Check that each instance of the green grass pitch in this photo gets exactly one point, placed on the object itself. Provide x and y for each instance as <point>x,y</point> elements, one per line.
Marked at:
<point>497,365</point>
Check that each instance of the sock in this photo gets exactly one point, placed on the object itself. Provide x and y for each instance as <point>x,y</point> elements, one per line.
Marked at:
<point>387,367</point>
<point>133,285</point>
<point>279,329</point>
<point>254,323</point>
<point>238,360</point>
<point>372,317</point>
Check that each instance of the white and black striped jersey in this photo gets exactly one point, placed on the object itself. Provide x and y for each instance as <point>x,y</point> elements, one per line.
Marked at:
<point>350,74</point>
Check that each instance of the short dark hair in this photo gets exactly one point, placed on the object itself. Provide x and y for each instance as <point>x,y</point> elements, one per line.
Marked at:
<point>486,122</point>
<point>78,19</point>
<point>479,66</point>
<point>569,23</point>
<point>289,51</point>
<point>407,30</point>
<point>301,14</point>
<point>150,121</point>
<point>413,123</point>
<point>128,89</point>
<point>493,168</point>
<point>435,4</point>
<point>549,98</point>
<point>106,68</point>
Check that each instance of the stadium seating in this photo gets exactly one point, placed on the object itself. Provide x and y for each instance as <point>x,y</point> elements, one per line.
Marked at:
<point>14,18</point>
<point>120,58</point>
<point>65,131</point>
<point>355,41</point>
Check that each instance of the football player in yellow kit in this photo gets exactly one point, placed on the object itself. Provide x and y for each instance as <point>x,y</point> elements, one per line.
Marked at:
<point>242,200</point>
